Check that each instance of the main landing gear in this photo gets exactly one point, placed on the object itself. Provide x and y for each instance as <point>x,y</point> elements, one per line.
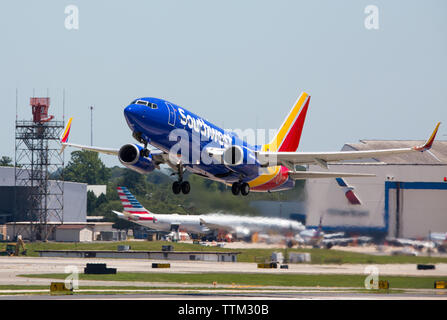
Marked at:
<point>181,186</point>
<point>240,187</point>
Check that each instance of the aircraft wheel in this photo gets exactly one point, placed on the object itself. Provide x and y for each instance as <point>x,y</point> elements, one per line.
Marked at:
<point>186,187</point>
<point>176,187</point>
<point>236,188</point>
<point>145,153</point>
<point>245,189</point>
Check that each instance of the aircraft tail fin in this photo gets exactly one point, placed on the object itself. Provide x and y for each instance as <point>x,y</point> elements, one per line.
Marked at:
<point>349,191</point>
<point>130,203</point>
<point>289,134</point>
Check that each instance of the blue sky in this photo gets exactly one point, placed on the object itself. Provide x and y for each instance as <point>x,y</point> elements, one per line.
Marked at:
<point>240,64</point>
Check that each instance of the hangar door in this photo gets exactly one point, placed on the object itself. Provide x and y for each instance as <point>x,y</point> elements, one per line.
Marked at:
<point>413,209</point>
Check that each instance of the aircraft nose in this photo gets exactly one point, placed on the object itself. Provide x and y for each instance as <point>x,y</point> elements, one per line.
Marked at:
<point>133,112</point>
<point>134,115</point>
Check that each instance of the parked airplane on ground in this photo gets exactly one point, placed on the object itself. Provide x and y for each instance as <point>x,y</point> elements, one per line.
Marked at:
<point>317,238</point>
<point>416,244</point>
<point>185,141</point>
<point>242,227</point>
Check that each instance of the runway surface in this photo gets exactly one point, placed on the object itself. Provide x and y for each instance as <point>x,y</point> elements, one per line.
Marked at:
<point>11,267</point>
<point>239,296</point>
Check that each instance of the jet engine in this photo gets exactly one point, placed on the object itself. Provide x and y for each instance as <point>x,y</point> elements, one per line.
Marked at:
<point>130,156</point>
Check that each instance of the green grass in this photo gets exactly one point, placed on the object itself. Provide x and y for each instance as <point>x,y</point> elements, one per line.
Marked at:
<point>319,256</point>
<point>255,279</point>
<point>23,287</point>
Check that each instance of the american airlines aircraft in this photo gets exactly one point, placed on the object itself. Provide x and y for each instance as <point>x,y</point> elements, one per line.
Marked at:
<point>185,141</point>
<point>242,227</point>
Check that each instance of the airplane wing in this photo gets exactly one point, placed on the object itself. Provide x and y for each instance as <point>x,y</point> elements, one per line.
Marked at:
<point>64,142</point>
<point>110,151</point>
<point>158,156</point>
<point>215,226</point>
<point>239,231</point>
<point>290,159</point>
<point>301,175</point>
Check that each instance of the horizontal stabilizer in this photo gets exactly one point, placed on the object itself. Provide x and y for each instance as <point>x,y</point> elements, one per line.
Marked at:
<point>125,215</point>
<point>301,175</point>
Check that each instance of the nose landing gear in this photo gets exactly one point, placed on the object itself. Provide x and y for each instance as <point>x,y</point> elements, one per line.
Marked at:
<point>145,151</point>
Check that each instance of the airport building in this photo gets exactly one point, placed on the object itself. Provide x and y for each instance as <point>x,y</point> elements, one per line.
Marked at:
<point>75,199</point>
<point>406,199</point>
<point>14,200</point>
<point>66,232</point>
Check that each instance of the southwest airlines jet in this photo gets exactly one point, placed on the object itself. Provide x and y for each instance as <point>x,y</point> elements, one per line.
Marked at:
<point>185,141</point>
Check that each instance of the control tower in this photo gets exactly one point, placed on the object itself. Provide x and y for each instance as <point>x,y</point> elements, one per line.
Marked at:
<point>39,167</point>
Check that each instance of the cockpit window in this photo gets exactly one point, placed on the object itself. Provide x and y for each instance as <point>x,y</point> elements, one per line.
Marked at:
<point>144,103</point>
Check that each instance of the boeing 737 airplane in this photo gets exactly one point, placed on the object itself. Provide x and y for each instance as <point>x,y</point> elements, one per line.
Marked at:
<point>242,227</point>
<point>185,141</point>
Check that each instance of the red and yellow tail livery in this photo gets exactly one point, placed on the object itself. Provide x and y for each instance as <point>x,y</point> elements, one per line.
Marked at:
<point>289,134</point>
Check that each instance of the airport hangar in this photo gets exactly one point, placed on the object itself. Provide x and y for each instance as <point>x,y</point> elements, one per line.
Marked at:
<point>75,226</point>
<point>406,199</point>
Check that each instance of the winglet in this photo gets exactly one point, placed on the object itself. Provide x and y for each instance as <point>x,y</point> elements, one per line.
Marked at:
<point>64,137</point>
<point>66,133</point>
<point>429,142</point>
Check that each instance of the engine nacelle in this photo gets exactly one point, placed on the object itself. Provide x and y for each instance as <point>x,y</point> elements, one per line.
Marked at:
<point>130,156</point>
<point>237,155</point>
